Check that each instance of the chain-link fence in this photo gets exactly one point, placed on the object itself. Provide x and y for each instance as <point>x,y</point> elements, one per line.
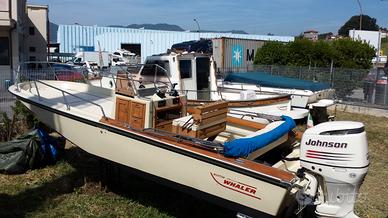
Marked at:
<point>354,86</point>
<point>6,98</point>
<point>51,71</point>
<point>361,87</point>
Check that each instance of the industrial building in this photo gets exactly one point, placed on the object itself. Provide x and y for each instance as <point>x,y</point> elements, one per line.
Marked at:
<point>74,38</point>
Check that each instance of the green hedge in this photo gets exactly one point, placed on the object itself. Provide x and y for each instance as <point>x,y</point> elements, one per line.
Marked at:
<point>345,53</point>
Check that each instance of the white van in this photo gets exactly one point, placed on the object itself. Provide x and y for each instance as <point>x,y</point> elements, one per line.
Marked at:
<point>82,57</point>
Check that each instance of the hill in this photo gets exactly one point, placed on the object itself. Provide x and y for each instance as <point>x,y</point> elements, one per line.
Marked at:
<point>171,27</point>
<point>158,26</point>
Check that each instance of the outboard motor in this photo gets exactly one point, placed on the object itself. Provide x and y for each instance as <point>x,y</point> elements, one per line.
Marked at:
<point>338,152</point>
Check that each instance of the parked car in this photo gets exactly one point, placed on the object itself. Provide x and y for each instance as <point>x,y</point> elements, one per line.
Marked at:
<point>378,76</point>
<point>66,72</point>
<point>51,71</point>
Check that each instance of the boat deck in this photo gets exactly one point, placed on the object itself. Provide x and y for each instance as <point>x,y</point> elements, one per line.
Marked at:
<point>192,147</point>
<point>82,101</point>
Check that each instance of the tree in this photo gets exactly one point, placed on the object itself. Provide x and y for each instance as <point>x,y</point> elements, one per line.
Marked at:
<point>352,54</point>
<point>368,23</point>
<point>300,52</point>
<point>272,53</point>
<point>322,53</point>
<point>345,53</point>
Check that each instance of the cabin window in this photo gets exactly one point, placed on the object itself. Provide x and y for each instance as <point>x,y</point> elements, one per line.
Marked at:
<point>185,68</point>
<point>4,51</point>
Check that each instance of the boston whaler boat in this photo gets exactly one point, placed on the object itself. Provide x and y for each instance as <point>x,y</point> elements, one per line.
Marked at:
<point>194,74</point>
<point>254,169</point>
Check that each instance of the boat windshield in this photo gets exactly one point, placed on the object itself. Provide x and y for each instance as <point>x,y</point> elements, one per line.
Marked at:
<point>155,71</point>
<point>151,77</point>
<point>150,68</point>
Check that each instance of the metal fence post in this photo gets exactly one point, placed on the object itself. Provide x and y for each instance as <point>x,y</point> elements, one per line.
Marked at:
<point>331,74</point>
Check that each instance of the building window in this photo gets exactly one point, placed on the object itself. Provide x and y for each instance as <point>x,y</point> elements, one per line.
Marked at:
<point>185,68</point>
<point>4,51</point>
<point>31,30</point>
<point>32,58</point>
<point>32,49</point>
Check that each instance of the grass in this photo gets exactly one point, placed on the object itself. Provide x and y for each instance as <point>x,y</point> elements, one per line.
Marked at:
<point>373,197</point>
<point>71,188</point>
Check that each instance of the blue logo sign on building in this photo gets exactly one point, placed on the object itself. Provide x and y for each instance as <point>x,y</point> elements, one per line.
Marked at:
<point>237,55</point>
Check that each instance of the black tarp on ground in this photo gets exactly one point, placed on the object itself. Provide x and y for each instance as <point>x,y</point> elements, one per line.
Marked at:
<point>33,150</point>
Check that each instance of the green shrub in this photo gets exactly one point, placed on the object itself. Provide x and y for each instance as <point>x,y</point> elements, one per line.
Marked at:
<point>344,53</point>
<point>22,120</point>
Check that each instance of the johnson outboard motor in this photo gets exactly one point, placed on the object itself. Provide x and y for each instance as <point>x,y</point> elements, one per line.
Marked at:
<point>334,156</point>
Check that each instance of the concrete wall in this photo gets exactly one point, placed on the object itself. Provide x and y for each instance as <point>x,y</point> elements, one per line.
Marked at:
<point>9,15</point>
<point>14,26</point>
<point>37,19</point>
<point>4,13</point>
<point>12,16</point>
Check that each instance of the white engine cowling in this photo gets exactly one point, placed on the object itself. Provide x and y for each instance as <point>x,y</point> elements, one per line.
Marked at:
<point>338,151</point>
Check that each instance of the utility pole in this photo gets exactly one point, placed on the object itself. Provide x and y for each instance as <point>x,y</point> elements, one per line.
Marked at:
<point>199,29</point>
<point>359,4</point>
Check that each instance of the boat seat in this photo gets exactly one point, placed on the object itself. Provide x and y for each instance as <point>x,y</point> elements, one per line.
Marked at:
<point>123,85</point>
<point>205,121</point>
<point>270,146</point>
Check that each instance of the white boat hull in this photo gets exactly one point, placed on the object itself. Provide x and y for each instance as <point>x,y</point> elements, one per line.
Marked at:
<point>209,176</point>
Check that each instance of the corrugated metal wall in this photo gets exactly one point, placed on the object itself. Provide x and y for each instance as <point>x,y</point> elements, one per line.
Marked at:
<point>233,55</point>
<point>72,37</point>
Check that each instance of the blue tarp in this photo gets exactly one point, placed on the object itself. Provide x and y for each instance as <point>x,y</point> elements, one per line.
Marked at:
<point>244,146</point>
<point>267,80</point>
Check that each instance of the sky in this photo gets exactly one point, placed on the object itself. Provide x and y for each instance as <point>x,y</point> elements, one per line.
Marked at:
<point>279,17</point>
